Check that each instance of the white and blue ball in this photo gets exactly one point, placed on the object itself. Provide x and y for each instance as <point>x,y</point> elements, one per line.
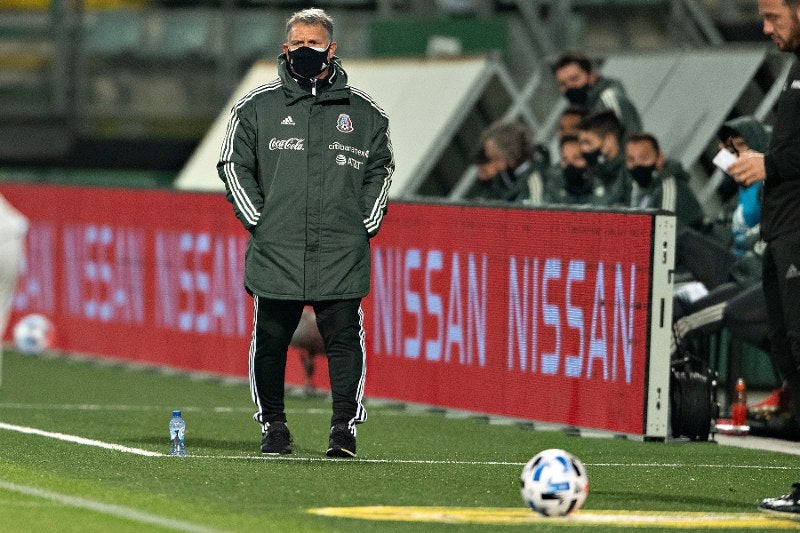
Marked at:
<point>554,483</point>
<point>33,334</point>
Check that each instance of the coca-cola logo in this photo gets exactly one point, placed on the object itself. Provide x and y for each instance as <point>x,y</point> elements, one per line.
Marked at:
<point>292,143</point>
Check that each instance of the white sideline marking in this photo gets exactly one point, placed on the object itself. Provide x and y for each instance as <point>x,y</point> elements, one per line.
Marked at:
<point>79,440</point>
<point>147,453</point>
<point>107,508</point>
<point>478,463</point>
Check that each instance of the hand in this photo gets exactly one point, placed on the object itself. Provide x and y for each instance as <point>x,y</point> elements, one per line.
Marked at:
<point>748,168</point>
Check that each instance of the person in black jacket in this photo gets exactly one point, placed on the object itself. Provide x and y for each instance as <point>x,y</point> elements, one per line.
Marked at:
<point>779,168</point>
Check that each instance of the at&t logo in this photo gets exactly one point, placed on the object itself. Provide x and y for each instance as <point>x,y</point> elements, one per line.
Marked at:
<point>343,160</point>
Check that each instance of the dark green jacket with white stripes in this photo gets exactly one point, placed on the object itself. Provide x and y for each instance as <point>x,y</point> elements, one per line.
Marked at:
<point>609,94</point>
<point>308,172</point>
<point>670,191</point>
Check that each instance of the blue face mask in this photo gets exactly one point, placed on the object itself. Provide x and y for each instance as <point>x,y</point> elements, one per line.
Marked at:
<point>308,62</point>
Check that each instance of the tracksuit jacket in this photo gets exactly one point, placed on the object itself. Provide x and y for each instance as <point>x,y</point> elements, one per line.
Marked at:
<point>609,94</point>
<point>670,191</point>
<point>308,173</point>
<point>780,211</point>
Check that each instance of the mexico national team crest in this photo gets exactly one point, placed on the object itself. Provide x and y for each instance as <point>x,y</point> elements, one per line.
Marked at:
<point>344,124</point>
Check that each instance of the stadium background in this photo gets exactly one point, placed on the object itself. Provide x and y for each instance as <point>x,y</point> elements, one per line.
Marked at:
<point>121,93</point>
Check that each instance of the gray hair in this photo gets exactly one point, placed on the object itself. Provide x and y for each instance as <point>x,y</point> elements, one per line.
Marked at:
<point>513,138</point>
<point>311,17</point>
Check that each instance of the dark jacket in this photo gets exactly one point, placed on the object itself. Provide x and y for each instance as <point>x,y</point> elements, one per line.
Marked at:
<point>526,184</point>
<point>670,191</point>
<point>558,191</point>
<point>612,181</point>
<point>308,175</point>
<point>609,94</point>
<point>780,211</point>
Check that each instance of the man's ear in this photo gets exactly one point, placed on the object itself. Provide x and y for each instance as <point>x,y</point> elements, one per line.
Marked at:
<point>660,161</point>
<point>611,143</point>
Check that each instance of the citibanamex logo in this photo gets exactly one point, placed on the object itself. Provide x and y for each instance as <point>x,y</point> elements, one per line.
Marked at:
<point>293,143</point>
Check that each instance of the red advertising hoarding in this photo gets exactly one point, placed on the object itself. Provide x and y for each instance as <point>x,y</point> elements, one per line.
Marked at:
<point>535,314</point>
<point>527,313</point>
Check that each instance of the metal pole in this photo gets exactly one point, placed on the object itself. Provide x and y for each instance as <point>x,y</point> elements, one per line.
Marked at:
<point>226,59</point>
<point>66,21</point>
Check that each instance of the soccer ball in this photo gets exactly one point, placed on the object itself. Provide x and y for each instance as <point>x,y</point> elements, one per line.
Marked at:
<point>554,483</point>
<point>33,334</point>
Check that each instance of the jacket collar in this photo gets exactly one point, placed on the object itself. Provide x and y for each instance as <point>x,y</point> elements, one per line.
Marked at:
<point>332,87</point>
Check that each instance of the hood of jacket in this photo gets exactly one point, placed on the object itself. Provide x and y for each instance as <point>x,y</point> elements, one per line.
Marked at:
<point>755,134</point>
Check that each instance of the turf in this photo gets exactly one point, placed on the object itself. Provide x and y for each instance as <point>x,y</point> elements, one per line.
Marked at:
<point>407,457</point>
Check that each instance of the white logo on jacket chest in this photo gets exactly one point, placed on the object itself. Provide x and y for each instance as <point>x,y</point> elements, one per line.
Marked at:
<point>343,160</point>
<point>796,84</point>
<point>292,143</point>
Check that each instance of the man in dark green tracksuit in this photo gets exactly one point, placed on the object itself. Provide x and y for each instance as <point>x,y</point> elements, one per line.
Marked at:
<point>570,182</point>
<point>583,86</point>
<point>600,136</point>
<point>307,163</point>
<point>510,168</point>
<point>660,183</point>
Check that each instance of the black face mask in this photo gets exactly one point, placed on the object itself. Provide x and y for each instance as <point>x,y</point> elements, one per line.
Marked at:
<point>578,96</point>
<point>643,175</point>
<point>592,158</point>
<point>574,179</point>
<point>308,62</point>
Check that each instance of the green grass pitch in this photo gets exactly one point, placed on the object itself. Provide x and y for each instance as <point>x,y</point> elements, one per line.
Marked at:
<point>407,457</point>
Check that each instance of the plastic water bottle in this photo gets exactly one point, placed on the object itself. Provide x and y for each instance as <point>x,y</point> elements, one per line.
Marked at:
<point>739,407</point>
<point>177,435</point>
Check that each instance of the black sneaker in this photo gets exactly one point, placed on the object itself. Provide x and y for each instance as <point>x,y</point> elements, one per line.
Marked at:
<point>786,506</point>
<point>342,442</point>
<point>276,439</point>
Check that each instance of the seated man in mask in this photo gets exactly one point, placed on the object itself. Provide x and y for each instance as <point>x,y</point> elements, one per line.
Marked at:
<point>510,167</point>
<point>660,183</point>
<point>600,136</point>
<point>734,252</point>
<point>569,182</point>
<point>583,86</point>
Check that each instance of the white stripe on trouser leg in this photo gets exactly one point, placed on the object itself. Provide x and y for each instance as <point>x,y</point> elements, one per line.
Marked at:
<point>361,413</point>
<point>251,362</point>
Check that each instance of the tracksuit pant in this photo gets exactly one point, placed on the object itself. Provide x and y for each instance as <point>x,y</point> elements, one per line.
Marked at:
<point>340,324</point>
<point>782,293</point>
